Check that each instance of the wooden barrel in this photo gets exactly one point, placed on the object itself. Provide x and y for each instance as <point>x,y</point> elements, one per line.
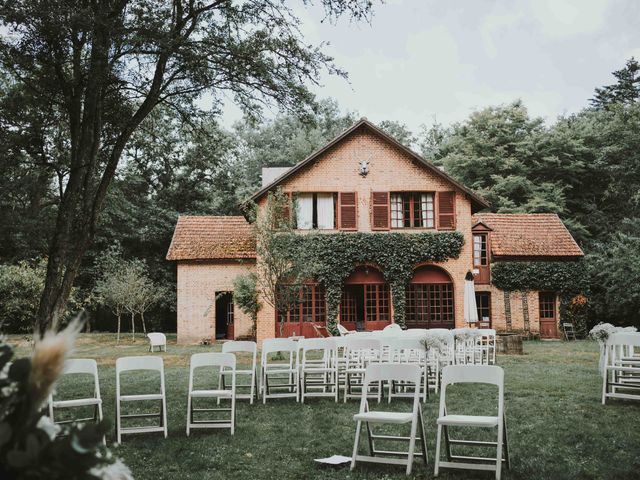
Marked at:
<point>509,344</point>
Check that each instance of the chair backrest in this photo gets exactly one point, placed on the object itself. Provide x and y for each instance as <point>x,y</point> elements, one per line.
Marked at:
<point>213,359</point>
<point>417,332</point>
<point>81,365</point>
<point>489,374</point>
<point>342,330</point>
<point>487,332</point>
<point>124,364</point>
<point>273,345</point>
<point>400,372</point>
<point>631,339</point>
<point>363,343</point>
<point>486,374</point>
<point>310,344</point>
<point>392,327</point>
<point>239,346</point>
<point>157,338</point>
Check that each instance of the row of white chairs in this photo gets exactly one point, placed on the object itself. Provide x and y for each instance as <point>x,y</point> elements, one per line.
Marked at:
<point>621,376</point>
<point>225,362</point>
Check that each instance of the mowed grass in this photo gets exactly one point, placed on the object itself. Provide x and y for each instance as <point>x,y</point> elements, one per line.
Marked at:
<point>557,427</point>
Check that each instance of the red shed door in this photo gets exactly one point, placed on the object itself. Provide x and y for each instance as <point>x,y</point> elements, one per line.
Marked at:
<point>548,317</point>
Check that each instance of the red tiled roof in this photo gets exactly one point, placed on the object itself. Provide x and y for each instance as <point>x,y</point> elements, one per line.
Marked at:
<point>528,235</point>
<point>211,238</point>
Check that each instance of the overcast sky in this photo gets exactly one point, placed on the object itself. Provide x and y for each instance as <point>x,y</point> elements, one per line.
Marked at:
<point>420,59</point>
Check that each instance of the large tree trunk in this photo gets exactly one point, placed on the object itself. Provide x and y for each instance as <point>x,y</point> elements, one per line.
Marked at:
<point>89,179</point>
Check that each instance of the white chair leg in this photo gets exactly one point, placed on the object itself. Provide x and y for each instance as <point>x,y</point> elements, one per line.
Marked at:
<point>118,433</point>
<point>188,413</point>
<point>438,441</point>
<point>164,414</point>
<point>499,452</point>
<point>251,390</point>
<point>355,445</point>
<point>301,386</point>
<point>412,444</point>
<point>604,386</point>
<point>233,414</point>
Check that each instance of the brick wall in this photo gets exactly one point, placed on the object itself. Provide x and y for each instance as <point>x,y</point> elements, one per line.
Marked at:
<point>390,169</point>
<point>197,286</point>
<point>518,323</point>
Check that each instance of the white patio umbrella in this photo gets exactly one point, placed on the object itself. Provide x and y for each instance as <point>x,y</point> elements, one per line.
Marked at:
<point>470,308</point>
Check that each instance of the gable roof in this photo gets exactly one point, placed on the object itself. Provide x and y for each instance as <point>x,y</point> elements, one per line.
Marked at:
<point>477,202</point>
<point>529,235</point>
<point>212,238</point>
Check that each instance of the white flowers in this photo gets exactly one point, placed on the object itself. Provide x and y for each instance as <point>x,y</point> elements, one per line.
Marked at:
<point>465,333</point>
<point>114,471</point>
<point>602,331</point>
<point>47,426</point>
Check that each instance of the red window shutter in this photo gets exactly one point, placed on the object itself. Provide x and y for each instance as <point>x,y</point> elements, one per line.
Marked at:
<point>347,210</point>
<point>447,210</point>
<point>380,211</point>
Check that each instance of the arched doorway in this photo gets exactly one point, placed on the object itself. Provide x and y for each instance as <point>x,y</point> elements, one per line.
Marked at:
<point>366,300</point>
<point>429,299</point>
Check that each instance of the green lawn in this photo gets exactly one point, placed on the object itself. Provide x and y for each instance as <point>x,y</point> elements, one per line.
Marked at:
<point>557,426</point>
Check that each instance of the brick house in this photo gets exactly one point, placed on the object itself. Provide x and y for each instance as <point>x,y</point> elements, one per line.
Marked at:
<point>366,181</point>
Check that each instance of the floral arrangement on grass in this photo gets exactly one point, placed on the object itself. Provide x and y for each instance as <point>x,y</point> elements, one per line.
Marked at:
<point>31,445</point>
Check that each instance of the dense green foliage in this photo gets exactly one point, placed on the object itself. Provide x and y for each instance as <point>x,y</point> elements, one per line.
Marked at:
<point>585,167</point>
<point>245,296</point>
<point>333,257</point>
<point>568,278</point>
<point>20,289</point>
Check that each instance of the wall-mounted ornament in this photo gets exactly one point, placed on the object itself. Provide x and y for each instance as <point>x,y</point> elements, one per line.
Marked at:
<point>363,168</point>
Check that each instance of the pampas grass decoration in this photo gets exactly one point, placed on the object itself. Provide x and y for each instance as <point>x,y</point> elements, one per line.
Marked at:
<point>47,363</point>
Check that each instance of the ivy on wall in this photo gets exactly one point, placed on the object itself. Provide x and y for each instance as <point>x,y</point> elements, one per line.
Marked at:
<point>333,257</point>
<point>566,278</point>
<point>569,279</point>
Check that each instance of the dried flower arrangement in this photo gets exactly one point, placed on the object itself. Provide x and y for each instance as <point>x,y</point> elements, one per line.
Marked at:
<point>31,445</point>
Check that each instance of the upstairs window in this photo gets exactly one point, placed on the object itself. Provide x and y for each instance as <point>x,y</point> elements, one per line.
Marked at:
<point>412,210</point>
<point>480,258</point>
<point>316,211</point>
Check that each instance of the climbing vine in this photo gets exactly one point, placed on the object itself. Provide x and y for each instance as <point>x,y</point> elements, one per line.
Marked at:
<point>332,258</point>
<point>569,279</point>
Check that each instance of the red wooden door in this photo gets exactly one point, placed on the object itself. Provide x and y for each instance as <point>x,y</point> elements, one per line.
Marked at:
<point>377,306</point>
<point>548,317</point>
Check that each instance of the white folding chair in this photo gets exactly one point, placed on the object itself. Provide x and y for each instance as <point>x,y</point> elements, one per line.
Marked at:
<point>127,364</point>
<point>360,352</point>
<point>485,349</point>
<point>409,350</point>
<point>251,348</point>
<point>280,376</point>
<point>485,374</point>
<point>80,366</point>
<point>157,339</point>
<point>223,361</point>
<point>621,376</point>
<point>465,346</point>
<point>318,368</point>
<point>390,372</point>
<point>343,330</point>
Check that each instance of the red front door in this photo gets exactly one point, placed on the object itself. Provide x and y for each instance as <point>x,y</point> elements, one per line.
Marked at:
<point>365,307</point>
<point>300,320</point>
<point>548,317</point>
